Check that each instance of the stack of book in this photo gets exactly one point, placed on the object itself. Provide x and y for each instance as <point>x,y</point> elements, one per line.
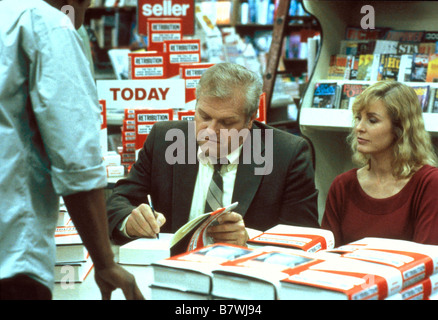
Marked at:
<point>382,54</point>
<point>372,268</point>
<point>73,263</point>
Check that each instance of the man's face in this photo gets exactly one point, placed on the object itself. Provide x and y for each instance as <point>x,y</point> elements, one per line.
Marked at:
<point>216,121</point>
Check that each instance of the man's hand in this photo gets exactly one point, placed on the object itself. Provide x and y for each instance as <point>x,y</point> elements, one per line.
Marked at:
<point>231,229</point>
<point>114,277</point>
<point>143,223</point>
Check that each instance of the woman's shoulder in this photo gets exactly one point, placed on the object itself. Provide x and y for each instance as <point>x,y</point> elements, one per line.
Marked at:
<point>348,175</point>
<point>346,179</point>
<point>427,173</point>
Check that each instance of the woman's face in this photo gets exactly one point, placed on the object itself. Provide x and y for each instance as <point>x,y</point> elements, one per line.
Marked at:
<point>374,130</point>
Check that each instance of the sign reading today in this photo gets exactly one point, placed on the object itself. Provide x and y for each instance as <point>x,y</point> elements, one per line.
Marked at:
<point>184,9</point>
<point>157,94</point>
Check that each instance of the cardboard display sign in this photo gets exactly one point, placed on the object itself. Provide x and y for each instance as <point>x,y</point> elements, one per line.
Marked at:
<point>145,119</point>
<point>261,115</point>
<point>147,65</point>
<point>163,29</point>
<point>182,51</point>
<point>103,127</point>
<point>134,94</point>
<point>186,115</point>
<point>184,9</point>
<point>191,73</point>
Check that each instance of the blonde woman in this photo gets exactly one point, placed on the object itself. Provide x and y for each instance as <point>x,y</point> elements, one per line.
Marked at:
<point>394,193</point>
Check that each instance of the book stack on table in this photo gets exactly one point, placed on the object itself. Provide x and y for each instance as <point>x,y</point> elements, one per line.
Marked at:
<point>276,268</point>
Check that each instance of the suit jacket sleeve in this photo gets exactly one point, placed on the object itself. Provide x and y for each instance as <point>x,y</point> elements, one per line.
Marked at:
<point>129,193</point>
<point>300,196</point>
<point>287,195</point>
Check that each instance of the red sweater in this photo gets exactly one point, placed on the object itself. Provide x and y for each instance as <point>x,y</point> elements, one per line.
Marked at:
<point>411,214</point>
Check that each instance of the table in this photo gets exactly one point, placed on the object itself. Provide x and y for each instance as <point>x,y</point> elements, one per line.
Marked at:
<point>88,289</point>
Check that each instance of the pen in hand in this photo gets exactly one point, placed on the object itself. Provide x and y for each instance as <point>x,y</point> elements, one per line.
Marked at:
<point>153,210</point>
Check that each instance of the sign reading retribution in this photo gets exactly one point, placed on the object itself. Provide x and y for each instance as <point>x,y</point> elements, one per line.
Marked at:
<point>184,9</point>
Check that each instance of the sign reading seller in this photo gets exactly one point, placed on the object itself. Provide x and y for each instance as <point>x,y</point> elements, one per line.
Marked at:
<point>184,9</point>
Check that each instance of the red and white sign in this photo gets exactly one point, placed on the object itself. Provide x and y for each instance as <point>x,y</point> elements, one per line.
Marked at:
<point>191,73</point>
<point>181,51</point>
<point>162,29</point>
<point>147,65</point>
<point>188,115</point>
<point>144,121</point>
<point>184,9</point>
<point>103,127</point>
<point>261,114</point>
<point>134,94</point>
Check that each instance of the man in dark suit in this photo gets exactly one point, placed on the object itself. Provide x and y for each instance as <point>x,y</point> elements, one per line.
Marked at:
<point>270,172</point>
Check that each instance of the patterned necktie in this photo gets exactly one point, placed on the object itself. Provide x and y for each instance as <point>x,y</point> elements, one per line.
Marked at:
<point>215,190</point>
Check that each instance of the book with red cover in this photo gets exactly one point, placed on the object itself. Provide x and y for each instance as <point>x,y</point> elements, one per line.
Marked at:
<point>191,271</point>
<point>147,65</point>
<point>342,279</point>
<point>179,52</point>
<point>161,29</point>
<point>421,290</point>
<point>257,277</point>
<point>145,119</point>
<point>303,238</point>
<point>430,252</point>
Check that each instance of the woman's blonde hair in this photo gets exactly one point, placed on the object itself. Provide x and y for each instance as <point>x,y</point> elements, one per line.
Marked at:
<point>412,146</point>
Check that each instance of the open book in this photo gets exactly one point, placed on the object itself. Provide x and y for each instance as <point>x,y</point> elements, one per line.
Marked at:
<point>193,234</point>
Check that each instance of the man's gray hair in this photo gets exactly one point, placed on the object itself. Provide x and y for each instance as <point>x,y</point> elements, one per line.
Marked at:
<point>229,80</point>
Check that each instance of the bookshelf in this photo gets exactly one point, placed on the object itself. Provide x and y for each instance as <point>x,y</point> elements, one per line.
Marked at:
<point>108,27</point>
<point>281,57</point>
<point>328,128</point>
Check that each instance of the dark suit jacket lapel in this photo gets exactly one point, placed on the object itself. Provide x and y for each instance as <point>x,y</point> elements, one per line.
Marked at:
<point>247,183</point>
<point>184,179</point>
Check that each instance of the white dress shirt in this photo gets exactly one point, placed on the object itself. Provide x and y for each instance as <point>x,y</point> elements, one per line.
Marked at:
<point>205,174</point>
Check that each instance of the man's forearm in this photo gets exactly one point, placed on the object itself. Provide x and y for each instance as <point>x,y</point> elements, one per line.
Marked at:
<point>88,212</point>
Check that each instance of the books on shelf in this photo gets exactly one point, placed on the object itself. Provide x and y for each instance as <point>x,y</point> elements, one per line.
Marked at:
<point>349,93</point>
<point>326,95</point>
<point>365,67</point>
<point>340,66</point>
<point>405,70</point>
<point>419,67</point>
<point>434,107</point>
<point>432,68</point>
<point>404,35</point>
<point>422,92</point>
<point>303,238</point>
<point>358,33</point>
<point>386,54</point>
<point>383,54</point>
<point>391,65</point>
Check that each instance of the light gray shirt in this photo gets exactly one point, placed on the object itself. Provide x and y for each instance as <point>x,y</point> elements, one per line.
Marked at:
<point>49,129</point>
